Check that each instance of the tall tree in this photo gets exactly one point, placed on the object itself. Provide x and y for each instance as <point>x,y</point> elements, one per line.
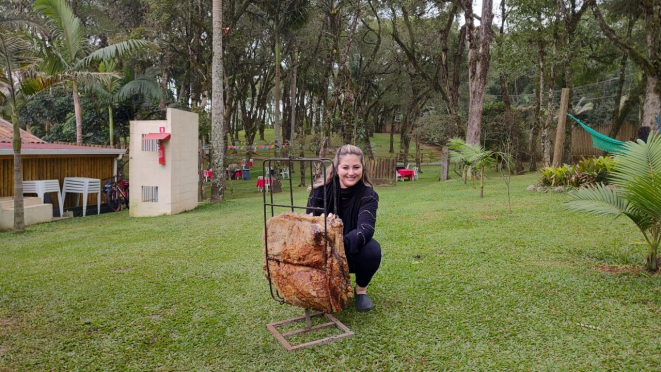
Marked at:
<point>649,62</point>
<point>283,17</point>
<point>18,84</point>
<point>479,57</point>
<point>218,105</point>
<point>571,17</point>
<point>67,51</point>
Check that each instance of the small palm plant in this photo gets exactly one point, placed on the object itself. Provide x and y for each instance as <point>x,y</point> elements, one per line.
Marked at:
<point>471,157</point>
<point>637,177</point>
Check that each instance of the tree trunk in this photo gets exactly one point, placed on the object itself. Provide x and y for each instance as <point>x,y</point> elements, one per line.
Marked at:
<point>111,126</point>
<point>276,184</point>
<point>392,132</point>
<point>652,103</point>
<point>164,82</point>
<point>79,115</point>
<point>292,97</point>
<point>218,106</point>
<point>19,211</point>
<point>479,57</point>
<point>276,124</point>
<point>445,164</point>
<point>317,116</point>
<point>532,146</point>
<point>417,153</point>
<point>546,135</point>
<point>404,137</point>
<point>649,64</point>
<point>615,123</point>
<point>343,76</point>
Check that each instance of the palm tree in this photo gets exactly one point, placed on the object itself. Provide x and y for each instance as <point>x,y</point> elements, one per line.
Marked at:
<point>19,83</point>
<point>637,177</point>
<point>113,89</point>
<point>471,157</point>
<point>68,51</point>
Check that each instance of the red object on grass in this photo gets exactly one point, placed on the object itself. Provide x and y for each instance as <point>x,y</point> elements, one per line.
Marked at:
<point>408,173</point>
<point>260,182</point>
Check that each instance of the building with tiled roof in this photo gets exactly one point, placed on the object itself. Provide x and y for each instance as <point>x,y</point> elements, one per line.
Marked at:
<point>7,134</point>
<point>41,160</point>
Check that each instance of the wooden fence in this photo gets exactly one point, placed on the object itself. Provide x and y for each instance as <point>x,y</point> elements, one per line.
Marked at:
<point>56,167</point>
<point>381,171</point>
<point>581,141</point>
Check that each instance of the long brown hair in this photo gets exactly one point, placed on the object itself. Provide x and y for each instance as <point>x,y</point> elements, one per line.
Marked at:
<point>344,151</point>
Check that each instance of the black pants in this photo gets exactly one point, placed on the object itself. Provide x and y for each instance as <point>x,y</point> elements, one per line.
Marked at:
<point>365,263</point>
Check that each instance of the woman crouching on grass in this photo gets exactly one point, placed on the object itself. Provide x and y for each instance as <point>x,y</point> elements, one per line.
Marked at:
<point>357,203</point>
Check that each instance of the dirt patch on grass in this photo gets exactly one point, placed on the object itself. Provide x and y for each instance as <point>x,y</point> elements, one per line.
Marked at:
<point>426,217</point>
<point>618,269</point>
<point>7,324</point>
<point>122,270</point>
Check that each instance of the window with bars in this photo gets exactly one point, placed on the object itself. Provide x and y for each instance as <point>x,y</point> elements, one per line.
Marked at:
<point>150,194</point>
<point>149,144</point>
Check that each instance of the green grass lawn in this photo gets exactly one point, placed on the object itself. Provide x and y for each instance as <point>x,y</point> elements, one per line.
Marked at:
<point>463,286</point>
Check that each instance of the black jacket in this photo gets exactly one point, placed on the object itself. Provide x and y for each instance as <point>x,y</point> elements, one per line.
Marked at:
<point>356,206</point>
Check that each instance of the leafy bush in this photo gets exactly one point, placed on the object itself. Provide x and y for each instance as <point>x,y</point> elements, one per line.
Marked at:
<point>595,169</point>
<point>588,171</point>
<point>637,195</point>
<point>556,176</point>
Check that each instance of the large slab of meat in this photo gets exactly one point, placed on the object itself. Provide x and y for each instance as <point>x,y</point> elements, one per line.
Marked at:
<point>305,270</point>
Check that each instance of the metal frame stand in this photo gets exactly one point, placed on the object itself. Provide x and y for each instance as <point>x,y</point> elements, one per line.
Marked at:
<point>281,337</point>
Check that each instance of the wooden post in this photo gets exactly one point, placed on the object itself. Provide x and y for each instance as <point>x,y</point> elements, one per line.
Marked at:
<point>445,163</point>
<point>560,132</point>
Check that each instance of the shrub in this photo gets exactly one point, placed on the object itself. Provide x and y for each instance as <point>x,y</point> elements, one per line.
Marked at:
<point>588,171</point>
<point>556,176</point>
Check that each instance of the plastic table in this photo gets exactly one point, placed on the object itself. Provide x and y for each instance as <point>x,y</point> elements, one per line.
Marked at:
<point>83,186</point>
<point>408,173</point>
<point>40,187</point>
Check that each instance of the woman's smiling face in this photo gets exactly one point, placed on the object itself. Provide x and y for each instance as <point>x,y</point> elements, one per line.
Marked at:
<point>350,170</point>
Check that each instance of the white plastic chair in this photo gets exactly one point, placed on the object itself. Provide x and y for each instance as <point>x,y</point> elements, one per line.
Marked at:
<point>398,177</point>
<point>415,173</point>
<point>83,186</point>
<point>265,183</point>
<point>284,172</point>
<point>43,186</point>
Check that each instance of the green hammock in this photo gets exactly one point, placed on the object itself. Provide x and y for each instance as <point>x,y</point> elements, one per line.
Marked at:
<point>602,141</point>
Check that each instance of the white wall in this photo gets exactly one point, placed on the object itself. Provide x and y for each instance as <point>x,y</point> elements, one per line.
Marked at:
<point>177,178</point>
